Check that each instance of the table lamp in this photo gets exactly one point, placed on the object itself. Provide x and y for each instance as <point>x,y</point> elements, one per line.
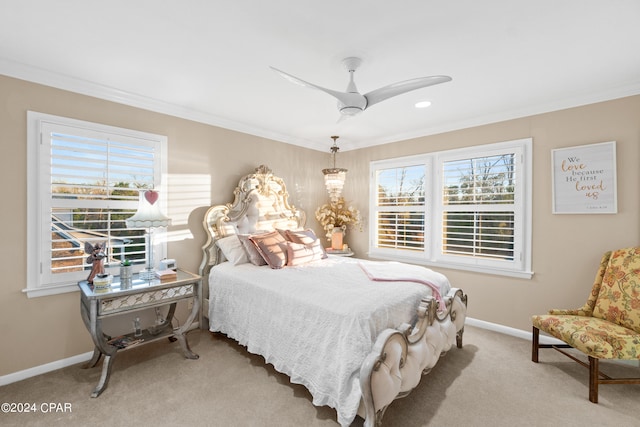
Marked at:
<point>148,216</point>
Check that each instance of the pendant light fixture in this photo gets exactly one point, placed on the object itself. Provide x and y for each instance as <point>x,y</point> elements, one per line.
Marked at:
<point>334,177</point>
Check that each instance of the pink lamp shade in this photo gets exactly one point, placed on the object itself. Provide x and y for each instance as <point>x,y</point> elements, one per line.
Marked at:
<point>148,214</point>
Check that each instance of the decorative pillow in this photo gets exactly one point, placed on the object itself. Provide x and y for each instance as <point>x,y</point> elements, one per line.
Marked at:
<point>283,233</point>
<point>273,248</point>
<point>232,250</point>
<point>299,253</point>
<point>251,250</point>
<point>305,237</point>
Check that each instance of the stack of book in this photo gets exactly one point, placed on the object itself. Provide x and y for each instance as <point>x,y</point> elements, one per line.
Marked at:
<point>166,275</point>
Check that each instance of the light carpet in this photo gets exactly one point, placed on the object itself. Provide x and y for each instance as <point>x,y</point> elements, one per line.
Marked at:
<point>491,381</point>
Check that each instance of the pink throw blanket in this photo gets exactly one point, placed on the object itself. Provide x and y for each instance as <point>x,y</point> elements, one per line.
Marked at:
<point>391,271</point>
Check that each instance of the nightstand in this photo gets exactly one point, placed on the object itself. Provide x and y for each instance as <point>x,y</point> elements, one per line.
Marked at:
<point>335,252</point>
<point>143,294</point>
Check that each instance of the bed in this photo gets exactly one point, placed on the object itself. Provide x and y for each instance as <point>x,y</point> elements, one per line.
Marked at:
<point>358,334</point>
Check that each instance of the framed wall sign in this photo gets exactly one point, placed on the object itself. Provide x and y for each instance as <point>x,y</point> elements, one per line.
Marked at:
<point>584,179</point>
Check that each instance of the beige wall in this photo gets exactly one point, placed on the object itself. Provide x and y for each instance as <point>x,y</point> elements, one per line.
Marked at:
<point>206,162</point>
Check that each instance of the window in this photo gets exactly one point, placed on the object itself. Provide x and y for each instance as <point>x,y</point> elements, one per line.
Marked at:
<point>467,209</point>
<point>401,207</point>
<point>83,182</point>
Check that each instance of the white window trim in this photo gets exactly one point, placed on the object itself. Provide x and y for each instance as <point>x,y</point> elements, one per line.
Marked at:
<point>388,253</point>
<point>35,192</point>
<point>430,256</point>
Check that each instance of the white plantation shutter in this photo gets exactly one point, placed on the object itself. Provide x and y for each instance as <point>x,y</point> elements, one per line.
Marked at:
<point>479,207</point>
<point>400,207</point>
<point>89,176</point>
<point>94,166</point>
<point>471,210</point>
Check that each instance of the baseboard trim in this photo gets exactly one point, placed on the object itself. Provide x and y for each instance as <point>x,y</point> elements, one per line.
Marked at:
<point>518,333</point>
<point>43,369</point>
<point>52,366</point>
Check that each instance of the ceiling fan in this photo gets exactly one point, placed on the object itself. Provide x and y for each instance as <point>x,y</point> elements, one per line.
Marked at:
<point>351,102</point>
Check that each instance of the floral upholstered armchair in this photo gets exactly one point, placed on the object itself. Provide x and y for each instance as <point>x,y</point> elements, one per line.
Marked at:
<point>607,326</point>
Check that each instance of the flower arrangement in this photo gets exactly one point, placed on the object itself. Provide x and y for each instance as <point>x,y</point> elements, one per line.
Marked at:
<point>338,215</point>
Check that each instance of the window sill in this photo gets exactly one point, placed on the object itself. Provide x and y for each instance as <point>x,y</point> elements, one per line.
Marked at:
<point>50,290</point>
<point>455,266</point>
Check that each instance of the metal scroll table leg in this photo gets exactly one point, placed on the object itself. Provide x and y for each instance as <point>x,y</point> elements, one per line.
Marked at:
<point>90,317</point>
<point>94,359</point>
<point>185,347</point>
<point>169,319</point>
<point>104,376</point>
<point>180,333</point>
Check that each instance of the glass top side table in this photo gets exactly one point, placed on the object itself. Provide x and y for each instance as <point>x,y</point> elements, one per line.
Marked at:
<point>98,304</point>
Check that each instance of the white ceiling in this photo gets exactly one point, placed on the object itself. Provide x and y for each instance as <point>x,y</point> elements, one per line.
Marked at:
<point>209,60</point>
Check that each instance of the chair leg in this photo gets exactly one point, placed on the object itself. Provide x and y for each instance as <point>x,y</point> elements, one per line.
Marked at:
<point>535,344</point>
<point>593,379</point>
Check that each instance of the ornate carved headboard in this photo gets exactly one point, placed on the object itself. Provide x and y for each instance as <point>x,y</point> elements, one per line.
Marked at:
<point>260,204</point>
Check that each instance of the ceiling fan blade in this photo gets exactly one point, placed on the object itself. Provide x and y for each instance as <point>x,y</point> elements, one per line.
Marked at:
<point>343,97</point>
<point>399,88</point>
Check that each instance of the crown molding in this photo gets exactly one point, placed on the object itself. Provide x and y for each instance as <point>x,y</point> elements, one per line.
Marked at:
<point>83,87</point>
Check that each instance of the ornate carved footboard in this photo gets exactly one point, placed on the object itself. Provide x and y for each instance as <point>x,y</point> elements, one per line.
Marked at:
<point>401,356</point>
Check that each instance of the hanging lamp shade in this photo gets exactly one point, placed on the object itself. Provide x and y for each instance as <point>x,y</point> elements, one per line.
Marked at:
<point>334,177</point>
<point>148,214</point>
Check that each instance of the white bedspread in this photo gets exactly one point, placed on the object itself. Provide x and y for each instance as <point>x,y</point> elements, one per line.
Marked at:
<point>315,322</point>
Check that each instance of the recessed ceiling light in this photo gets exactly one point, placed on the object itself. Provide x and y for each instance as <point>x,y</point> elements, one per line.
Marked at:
<point>423,104</point>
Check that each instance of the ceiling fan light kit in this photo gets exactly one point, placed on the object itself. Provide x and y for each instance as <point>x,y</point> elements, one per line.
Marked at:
<point>351,102</point>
